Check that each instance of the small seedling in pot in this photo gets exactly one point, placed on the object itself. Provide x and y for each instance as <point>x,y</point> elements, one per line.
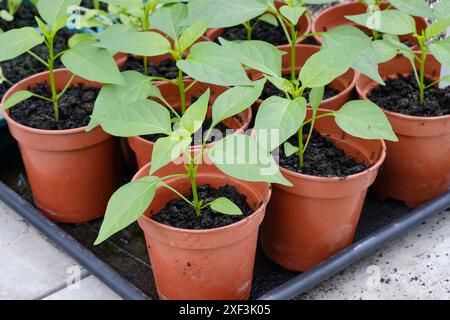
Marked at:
<point>84,59</point>
<point>399,22</point>
<point>11,8</point>
<point>287,115</point>
<point>237,155</point>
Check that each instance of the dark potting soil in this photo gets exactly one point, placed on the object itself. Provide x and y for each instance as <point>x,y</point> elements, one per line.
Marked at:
<point>270,90</point>
<point>321,159</point>
<point>166,68</point>
<point>401,95</point>
<point>75,108</point>
<point>24,17</point>
<point>90,4</point>
<point>179,214</point>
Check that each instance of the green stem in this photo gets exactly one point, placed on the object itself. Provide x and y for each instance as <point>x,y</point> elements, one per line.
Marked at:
<point>192,173</point>
<point>34,55</point>
<point>146,28</point>
<point>375,34</point>
<point>51,63</point>
<point>182,91</point>
<point>293,53</point>
<point>96,4</point>
<point>422,75</point>
<point>66,86</point>
<point>300,147</point>
<point>249,28</point>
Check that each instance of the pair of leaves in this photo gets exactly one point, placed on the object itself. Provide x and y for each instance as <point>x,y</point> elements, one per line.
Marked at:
<point>55,13</point>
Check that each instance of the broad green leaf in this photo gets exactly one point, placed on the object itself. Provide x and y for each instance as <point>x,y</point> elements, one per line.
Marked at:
<point>56,12</point>
<point>42,27</point>
<point>135,119</point>
<point>364,119</point>
<point>127,205</point>
<point>195,115</point>
<point>208,62</point>
<point>169,19</point>
<point>293,14</point>
<point>114,31</point>
<point>289,149</point>
<point>436,28</point>
<point>168,149</point>
<point>281,83</point>
<point>442,10</point>
<point>235,100</point>
<point>386,21</point>
<point>79,37</point>
<point>419,8</point>
<point>241,157</point>
<point>125,3</point>
<point>139,43</point>
<point>316,97</point>
<point>396,44</point>
<point>270,19</point>
<point>441,51</point>
<point>92,63</point>
<point>225,206</point>
<point>369,65</point>
<point>137,87</point>
<point>385,51</point>
<point>257,55</point>
<point>17,98</point>
<point>191,35</point>
<point>224,14</point>
<point>15,42</point>
<point>277,120</point>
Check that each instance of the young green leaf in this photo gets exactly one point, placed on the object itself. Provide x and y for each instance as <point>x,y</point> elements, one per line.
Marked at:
<point>436,28</point>
<point>170,19</point>
<point>442,10</point>
<point>56,12</point>
<point>281,83</point>
<point>364,119</point>
<point>269,18</point>
<point>419,8</point>
<point>316,97</point>
<point>289,149</point>
<point>135,119</point>
<point>386,21</point>
<point>441,51</point>
<point>191,35</point>
<point>92,63</point>
<point>277,120</point>
<point>168,149</point>
<point>208,62</point>
<point>79,37</point>
<point>293,14</point>
<point>16,98</point>
<point>194,116</point>
<point>127,205</point>
<point>385,51</point>
<point>15,42</point>
<point>239,156</point>
<point>225,206</point>
<point>235,100</point>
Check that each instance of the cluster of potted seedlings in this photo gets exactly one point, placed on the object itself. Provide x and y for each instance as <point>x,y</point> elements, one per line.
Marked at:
<point>241,132</point>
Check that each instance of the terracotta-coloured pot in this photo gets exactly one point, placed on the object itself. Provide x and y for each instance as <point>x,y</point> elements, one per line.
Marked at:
<point>143,148</point>
<point>303,27</point>
<point>417,167</point>
<point>317,217</point>
<point>203,264</point>
<point>344,84</point>
<point>72,173</point>
<point>121,59</point>
<point>335,16</point>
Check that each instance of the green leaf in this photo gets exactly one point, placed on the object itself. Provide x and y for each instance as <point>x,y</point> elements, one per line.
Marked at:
<point>42,27</point>
<point>225,206</point>
<point>168,149</point>
<point>56,12</point>
<point>442,10</point>
<point>289,149</point>
<point>277,120</point>
<point>386,21</point>
<point>281,83</point>
<point>395,43</point>
<point>15,42</point>
<point>79,37</point>
<point>436,28</point>
<point>316,97</point>
<point>224,14</point>
<point>139,43</point>
<point>257,55</point>
<point>110,33</point>
<point>235,100</point>
<point>441,51</point>
<point>16,98</point>
<point>135,119</point>
<point>191,35</point>
<point>293,14</point>
<point>5,15</point>
<point>208,62</point>
<point>385,51</point>
<point>364,119</point>
<point>239,156</point>
<point>169,19</point>
<point>195,115</point>
<point>419,8</point>
<point>127,205</point>
<point>269,18</point>
<point>92,63</point>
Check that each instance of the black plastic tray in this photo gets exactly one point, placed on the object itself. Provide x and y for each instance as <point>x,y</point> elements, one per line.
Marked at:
<point>122,262</point>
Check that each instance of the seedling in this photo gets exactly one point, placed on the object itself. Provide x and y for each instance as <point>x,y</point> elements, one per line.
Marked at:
<point>286,116</point>
<point>399,22</point>
<point>84,60</point>
<point>11,8</point>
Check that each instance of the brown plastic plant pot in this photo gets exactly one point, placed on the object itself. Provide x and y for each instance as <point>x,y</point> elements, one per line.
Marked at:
<point>417,168</point>
<point>317,217</point>
<point>72,173</point>
<point>303,27</point>
<point>344,84</point>
<point>143,148</point>
<point>335,16</point>
<point>203,264</point>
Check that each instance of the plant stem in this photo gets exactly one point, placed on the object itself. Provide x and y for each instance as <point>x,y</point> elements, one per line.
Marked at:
<point>300,147</point>
<point>423,58</point>
<point>67,86</point>
<point>146,28</point>
<point>192,173</point>
<point>96,4</point>
<point>293,53</point>
<point>182,91</point>
<point>249,28</point>
<point>51,63</point>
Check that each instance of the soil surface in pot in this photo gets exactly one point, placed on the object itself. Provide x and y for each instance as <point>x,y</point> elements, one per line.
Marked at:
<point>75,108</point>
<point>401,95</point>
<point>24,17</point>
<point>166,68</point>
<point>198,136</point>
<point>270,90</point>
<point>321,159</point>
<point>180,214</point>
